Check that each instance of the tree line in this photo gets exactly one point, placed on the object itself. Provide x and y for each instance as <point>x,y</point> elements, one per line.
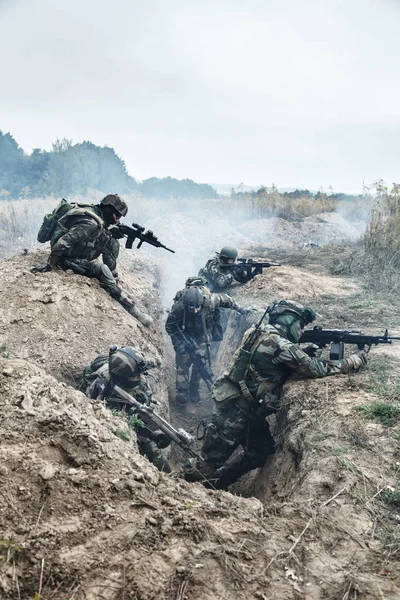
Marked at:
<point>72,169</point>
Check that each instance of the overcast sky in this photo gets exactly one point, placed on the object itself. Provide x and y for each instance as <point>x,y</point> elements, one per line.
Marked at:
<point>301,93</point>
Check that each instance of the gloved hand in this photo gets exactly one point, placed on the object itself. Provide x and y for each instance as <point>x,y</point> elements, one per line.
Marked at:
<point>248,309</point>
<point>116,232</point>
<point>313,351</point>
<point>41,268</point>
<point>358,359</point>
<point>180,348</point>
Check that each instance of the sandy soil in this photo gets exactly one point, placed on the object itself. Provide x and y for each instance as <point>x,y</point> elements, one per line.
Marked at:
<point>84,516</point>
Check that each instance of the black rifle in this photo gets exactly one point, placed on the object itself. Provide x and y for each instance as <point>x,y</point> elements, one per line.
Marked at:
<point>252,267</point>
<point>197,358</point>
<point>155,422</point>
<point>337,338</point>
<point>137,232</point>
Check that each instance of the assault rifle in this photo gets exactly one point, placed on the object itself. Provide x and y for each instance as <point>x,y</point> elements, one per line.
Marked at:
<point>137,232</point>
<point>197,358</point>
<point>155,422</point>
<point>337,338</point>
<point>252,267</point>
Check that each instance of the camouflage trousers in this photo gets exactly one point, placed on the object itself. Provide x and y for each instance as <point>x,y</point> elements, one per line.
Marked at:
<point>231,426</point>
<point>187,374</point>
<point>152,452</point>
<point>100,271</point>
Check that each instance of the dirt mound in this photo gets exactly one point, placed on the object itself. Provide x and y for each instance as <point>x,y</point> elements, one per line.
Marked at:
<point>326,228</point>
<point>62,321</point>
<point>287,282</point>
<point>83,515</point>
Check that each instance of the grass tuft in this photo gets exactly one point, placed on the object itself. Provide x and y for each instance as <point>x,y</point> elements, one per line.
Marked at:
<point>387,414</point>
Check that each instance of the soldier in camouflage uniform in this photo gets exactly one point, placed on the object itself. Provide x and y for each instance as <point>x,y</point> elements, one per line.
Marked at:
<point>195,312</point>
<point>249,391</point>
<point>83,234</point>
<point>124,366</point>
<point>219,278</point>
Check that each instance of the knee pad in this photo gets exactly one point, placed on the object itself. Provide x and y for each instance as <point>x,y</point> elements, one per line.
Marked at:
<point>105,276</point>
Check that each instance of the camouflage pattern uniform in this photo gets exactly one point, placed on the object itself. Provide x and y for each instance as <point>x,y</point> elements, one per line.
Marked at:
<point>220,278</point>
<point>199,326</point>
<point>80,237</point>
<point>96,377</point>
<point>240,409</point>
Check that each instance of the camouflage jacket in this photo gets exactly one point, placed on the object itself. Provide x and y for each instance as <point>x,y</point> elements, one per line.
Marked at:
<point>82,233</point>
<point>219,278</point>
<point>96,377</point>
<point>192,323</point>
<point>274,358</point>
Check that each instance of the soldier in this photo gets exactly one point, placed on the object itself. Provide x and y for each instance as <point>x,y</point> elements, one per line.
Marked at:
<point>250,390</point>
<point>219,278</point>
<point>195,312</point>
<point>83,234</point>
<point>125,367</point>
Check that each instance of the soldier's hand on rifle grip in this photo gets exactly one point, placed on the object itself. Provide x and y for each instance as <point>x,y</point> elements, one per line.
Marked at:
<point>313,351</point>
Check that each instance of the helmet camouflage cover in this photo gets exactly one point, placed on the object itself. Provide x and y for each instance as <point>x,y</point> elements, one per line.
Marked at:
<point>229,252</point>
<point>117,202</point>
<point>192,297</point>
<point>125,364</point>
<point>280,308</point>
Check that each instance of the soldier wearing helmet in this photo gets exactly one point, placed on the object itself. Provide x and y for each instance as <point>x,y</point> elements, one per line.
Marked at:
<point>125,366</point>
<point>219,278</point>
<point>250,390</point>
<point>195,312</point>
<point>84,234</point>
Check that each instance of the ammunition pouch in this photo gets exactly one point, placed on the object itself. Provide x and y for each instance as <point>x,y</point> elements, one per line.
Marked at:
<point>225,390</point>
<point>240,366</point>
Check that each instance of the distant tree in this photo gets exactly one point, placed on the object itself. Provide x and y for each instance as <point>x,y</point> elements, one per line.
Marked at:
<point>73,169</point>
<point>12,163</point>
<point>168,187</point>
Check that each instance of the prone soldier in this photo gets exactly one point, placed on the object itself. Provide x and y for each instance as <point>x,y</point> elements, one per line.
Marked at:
<point>125,366</point>
<point>219,278</point>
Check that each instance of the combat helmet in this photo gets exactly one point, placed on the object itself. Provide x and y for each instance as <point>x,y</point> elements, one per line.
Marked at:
<point>126,365</point>
<point>116,202</point>
<point>193,298</point>
<point>228,253</point>
<point>287,314</point>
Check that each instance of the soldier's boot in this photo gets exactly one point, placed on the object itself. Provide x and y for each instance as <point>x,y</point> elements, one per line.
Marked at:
<point>231,472</point>
<point>194,396</point>
<point>132,309</point>
<point>181,396</point>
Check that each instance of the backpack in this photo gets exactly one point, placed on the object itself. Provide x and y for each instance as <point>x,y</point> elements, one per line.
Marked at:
<point>50,220</point>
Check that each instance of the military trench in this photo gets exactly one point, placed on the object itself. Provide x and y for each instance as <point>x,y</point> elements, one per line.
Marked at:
<point>84,516</point>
